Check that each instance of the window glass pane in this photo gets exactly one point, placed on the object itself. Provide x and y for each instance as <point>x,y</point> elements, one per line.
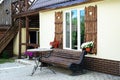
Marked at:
<point>74,28</point>
<point>82,25</point>
<point>67,30</point>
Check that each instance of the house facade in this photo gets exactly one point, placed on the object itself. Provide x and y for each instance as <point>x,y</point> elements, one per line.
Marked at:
<point>73,23</point>
<point>14,25</point>
<point>6,40</point>
<point>105,22</point>
<point>5,12</point>
<point>28,26</point>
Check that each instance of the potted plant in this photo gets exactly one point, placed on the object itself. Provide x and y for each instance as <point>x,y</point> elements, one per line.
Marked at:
<point>87,46</point>
<point>29,54</point>
<point>55,43</point>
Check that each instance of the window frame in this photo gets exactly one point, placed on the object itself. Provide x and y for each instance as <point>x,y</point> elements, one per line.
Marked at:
<point>78,29</point>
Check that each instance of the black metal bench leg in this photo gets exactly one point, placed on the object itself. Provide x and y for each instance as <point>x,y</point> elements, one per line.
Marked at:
<point>49,66</point>
<point>40,68</point>
<point>34,69</point>
<point>43,64</point>
<point>52,70</point>
<point>76,69</point>
<point>36,66</point>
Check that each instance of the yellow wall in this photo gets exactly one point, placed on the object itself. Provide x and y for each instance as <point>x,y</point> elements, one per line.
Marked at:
<point>16,42</point>
<point>108,28</point>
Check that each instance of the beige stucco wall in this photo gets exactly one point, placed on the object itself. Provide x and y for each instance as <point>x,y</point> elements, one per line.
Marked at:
<point>108,28</point>
<point>16,42</point>
<point>46,29</point>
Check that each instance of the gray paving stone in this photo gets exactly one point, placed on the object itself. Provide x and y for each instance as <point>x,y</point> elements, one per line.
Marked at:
<point>18,71</point>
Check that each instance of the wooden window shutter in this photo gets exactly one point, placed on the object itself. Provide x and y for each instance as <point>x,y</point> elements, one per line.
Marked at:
<point>59,28</point>
<point>91,26</point>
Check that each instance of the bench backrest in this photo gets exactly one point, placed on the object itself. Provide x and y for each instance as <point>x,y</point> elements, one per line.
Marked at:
<point>82,56</point>
<point>70,54</point>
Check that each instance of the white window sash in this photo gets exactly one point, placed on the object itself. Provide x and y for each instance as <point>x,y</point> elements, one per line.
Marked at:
<point>78,30</point>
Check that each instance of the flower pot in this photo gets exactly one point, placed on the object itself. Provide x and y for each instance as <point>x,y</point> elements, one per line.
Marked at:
<point>88,50</point>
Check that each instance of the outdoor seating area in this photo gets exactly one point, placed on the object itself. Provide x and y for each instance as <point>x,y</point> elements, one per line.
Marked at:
<point>69,59</point>
<point>72,60</point>
<point>60,39</point>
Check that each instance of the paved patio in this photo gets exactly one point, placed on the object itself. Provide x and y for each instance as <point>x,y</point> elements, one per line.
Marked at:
<point>21,70</point>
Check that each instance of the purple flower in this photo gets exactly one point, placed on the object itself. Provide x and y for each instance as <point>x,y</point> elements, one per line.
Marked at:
<point>29,53</point>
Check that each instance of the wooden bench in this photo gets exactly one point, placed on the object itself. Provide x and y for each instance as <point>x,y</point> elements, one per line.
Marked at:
<point>72,60</point>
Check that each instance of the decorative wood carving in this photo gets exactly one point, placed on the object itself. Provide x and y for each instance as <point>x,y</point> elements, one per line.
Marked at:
<point>59,28</point>
<point>91,26</point>
<point>21,6</point>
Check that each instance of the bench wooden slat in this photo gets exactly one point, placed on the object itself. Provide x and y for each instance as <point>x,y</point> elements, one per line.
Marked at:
<point>72,60</point>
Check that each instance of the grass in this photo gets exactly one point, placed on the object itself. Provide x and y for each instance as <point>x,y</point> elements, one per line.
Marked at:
<point>6,60</point>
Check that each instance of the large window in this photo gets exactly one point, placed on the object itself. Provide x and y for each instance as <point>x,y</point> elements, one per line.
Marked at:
<point>74,29</point>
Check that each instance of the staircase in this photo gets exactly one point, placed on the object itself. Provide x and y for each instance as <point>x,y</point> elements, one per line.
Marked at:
<point>7,37</point>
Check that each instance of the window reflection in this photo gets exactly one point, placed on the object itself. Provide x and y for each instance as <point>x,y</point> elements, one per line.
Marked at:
<point>68,30</point>
<point>82,25</point>
<point>74,28</point>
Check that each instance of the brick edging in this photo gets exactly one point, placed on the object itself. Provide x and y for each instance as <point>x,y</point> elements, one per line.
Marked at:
<point>102,65</point>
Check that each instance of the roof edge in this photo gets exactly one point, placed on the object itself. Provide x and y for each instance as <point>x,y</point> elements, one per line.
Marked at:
<point>47,7</point>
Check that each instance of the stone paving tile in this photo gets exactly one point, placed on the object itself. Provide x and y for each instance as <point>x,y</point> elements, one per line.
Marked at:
<point>23,72</point>
<point>9,65</point>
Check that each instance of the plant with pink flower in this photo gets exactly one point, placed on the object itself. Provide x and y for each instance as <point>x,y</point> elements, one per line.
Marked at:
<point>30,54</point>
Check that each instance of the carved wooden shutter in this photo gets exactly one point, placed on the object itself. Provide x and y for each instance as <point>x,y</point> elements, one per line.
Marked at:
<point>59,28</point>
<point>91,26</point>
